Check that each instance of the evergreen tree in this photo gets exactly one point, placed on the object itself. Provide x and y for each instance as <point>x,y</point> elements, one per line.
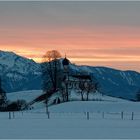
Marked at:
<point>3,97</point>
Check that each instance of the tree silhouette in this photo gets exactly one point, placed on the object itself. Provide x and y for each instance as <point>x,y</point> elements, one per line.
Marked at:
<point>3,97</point>
<point>87,86</point>
<point>138,95</point>
<point>51,70</point>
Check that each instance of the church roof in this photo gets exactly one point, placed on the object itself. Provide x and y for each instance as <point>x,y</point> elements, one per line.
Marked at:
<point>65,61</point>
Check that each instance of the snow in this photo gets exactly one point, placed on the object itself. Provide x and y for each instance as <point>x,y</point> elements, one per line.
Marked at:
<point>96,106</point>
<point>113,82</point>
<point>127,76</point>
<point>86,69</point>
<point>25,95</point>
<point>15,63</point>
<point>30,95</point>
<point>4,60</point>
<point>35,124</point>
<point>24,74</point>
<point>99,70</point>
<point>69,120</point>
<point>38,126</point>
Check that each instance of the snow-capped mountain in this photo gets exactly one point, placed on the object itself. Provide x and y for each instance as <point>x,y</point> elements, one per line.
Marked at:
<point>19,73</point>
<point>113,82</point>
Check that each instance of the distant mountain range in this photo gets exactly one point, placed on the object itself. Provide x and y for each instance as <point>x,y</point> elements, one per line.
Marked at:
<point>19,73</point>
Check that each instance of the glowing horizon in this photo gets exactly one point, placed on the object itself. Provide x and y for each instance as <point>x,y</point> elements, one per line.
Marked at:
<point>90,33</point>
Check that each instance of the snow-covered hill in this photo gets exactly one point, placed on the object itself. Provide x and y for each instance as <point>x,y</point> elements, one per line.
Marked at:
<point>69,120</point>
<point>98,103</point>
<point>25,95</point>
<point>19,74</point>
<point>106,105</point>
<point>75,105</point>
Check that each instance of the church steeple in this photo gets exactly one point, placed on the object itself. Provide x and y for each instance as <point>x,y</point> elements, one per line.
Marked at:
<point>65,61</point>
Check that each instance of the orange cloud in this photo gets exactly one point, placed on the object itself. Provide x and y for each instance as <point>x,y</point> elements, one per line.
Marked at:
<point>90,45</point>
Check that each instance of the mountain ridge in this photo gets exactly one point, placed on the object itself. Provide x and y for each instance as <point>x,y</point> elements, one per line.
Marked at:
<point>19,73</point>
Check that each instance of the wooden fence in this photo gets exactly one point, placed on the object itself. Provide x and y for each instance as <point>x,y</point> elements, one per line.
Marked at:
<point>72,115</point>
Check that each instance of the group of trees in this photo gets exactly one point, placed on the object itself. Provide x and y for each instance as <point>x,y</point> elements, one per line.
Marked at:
<point>51,71</point>
<point>87,88</point>
<point>6,105</point>
<point>53,78</point>
<point>3,98</point>
<point>51,74</point>
<point>16,105</point>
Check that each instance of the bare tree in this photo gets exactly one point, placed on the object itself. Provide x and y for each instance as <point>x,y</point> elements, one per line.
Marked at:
<point>86,88</point>
<point>90,89</point>
<point>82,90</point>
<point>51,69</point>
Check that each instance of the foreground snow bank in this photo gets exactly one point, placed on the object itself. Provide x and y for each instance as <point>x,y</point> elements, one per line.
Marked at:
<point>38,126</point>
<point>68,120</point>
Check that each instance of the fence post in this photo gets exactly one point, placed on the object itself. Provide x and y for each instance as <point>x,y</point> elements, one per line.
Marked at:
<point>13,114</point>
<point>103,115</point>
<point>87,115</point>
<point>48,113</point>
<point>122,114</point>
<point>132,117</point>
<point>9,115</point>
<point>47,109</point>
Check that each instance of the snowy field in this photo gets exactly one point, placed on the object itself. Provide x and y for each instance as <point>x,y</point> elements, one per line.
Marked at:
<point>38,126</point>
<point>26,95</point>
<point>69,120</point>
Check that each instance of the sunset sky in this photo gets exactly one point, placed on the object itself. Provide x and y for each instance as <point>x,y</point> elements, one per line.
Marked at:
<point>90,33</point>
